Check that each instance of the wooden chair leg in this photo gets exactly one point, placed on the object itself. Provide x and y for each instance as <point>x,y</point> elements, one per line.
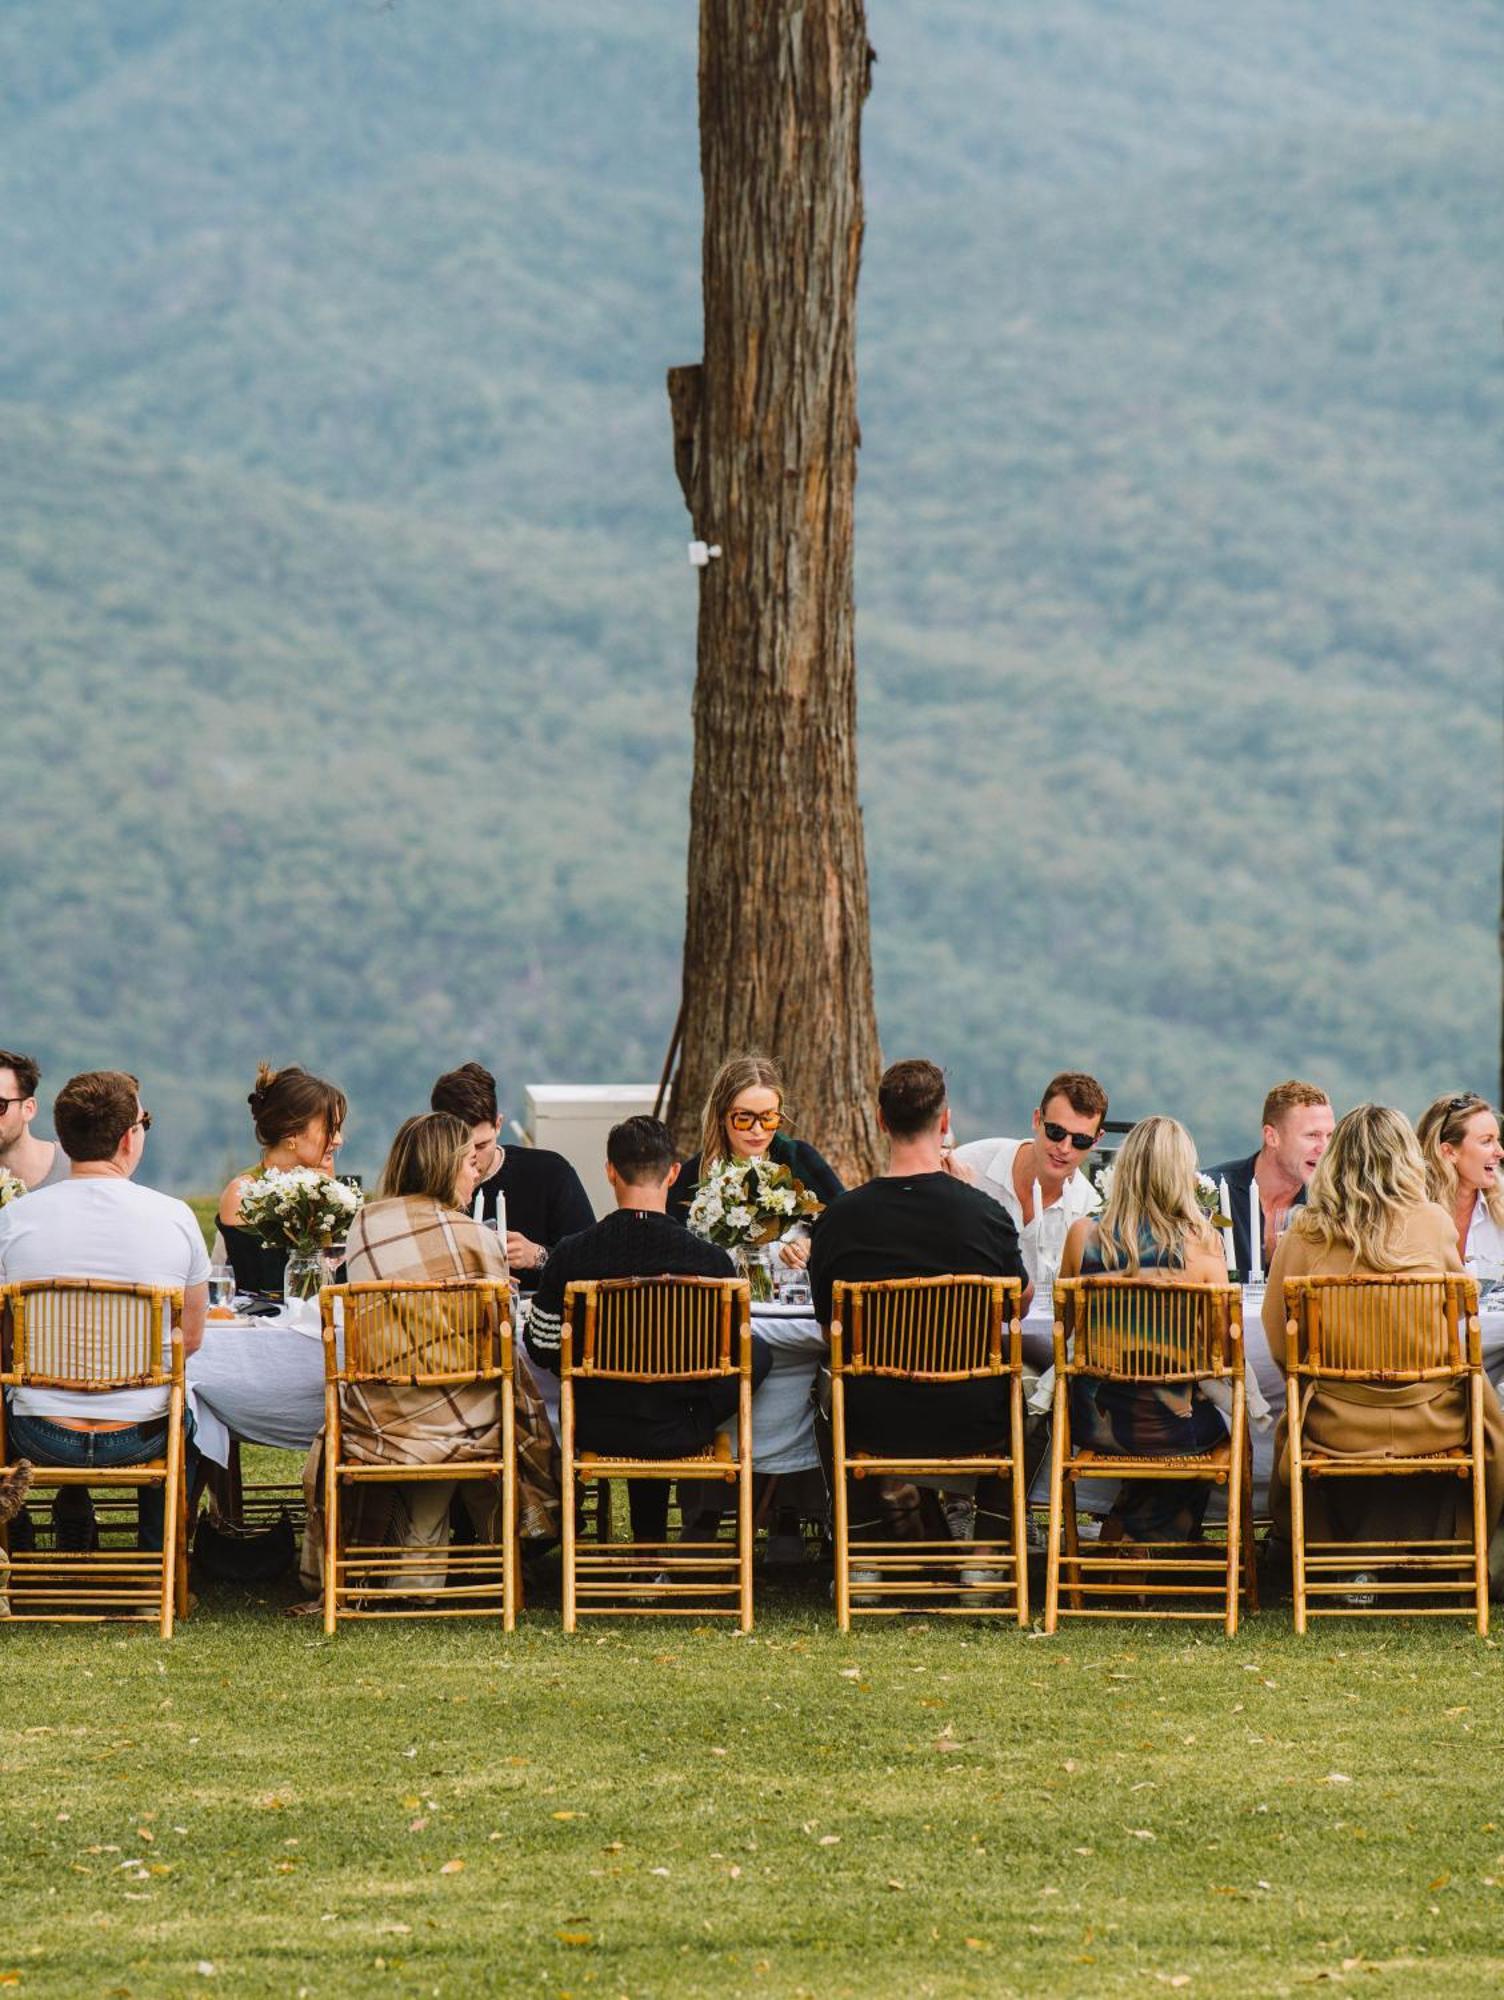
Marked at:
<point>1480,1513</point>
<point>567,1484</point>
<point>1250,1540</point>
<point>1297,1503</point>
<point>331,1526</point>
<point>507,1536</point>
<point>843,1512</point>
<point>1018,1480</point>
<point>1056,1526</point>
<point>1072,1546</point>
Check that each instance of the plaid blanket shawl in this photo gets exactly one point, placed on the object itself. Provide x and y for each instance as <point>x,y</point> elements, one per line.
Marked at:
<point>392,1423</point>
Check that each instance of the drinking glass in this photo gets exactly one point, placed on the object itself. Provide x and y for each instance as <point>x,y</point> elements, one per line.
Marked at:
<point>221,1286</point>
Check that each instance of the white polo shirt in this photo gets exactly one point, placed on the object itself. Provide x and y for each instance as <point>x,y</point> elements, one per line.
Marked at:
<point>100,1227</point>
<point>991,1161</point>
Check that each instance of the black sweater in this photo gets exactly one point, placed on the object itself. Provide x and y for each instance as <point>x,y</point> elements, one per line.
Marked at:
<point>631,1243</point>
<point>545,1198</point>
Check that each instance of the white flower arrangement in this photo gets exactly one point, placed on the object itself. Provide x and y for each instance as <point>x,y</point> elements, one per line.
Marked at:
<point>298,1208</point>
<point>12,1187</point>
<point>1208,1195</point>
<point>742,1204</point>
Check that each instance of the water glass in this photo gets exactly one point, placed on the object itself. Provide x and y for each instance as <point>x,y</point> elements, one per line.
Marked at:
<point>221,1287</point>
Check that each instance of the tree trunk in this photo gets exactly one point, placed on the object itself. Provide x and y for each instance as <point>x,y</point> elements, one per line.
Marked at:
<point>777,953</point>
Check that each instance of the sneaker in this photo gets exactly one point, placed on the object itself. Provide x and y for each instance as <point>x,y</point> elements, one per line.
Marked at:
<point>985,1589</point>
<point>1359,1599</point>
<point>960,1516</point>
<point>864,1586</point>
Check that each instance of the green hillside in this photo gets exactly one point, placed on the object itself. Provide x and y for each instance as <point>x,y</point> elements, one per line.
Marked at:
<point>348,636</point>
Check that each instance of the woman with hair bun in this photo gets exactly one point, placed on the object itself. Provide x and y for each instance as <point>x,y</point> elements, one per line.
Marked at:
<point>299,1121</point>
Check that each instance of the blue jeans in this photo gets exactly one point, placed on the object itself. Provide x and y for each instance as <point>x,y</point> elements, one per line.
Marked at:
<point>47,1443</point>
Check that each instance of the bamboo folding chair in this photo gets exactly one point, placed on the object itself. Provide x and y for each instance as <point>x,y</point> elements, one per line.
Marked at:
<point>1160,1335</point>
<point>1391,1330</point>
<point>422,1336</point>
<point>656,1330</point>
<point>928,1331</point>
<point>93,1334</point>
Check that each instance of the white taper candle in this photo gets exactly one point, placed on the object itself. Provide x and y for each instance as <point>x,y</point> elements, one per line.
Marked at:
<point>1255,1236</point>
<point>1224,1204</point>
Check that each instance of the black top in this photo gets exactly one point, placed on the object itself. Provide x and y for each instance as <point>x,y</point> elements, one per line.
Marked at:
<point>801,1159</point>
<point>911,1226</point>
<point>1238,1175</point>
<point>546,1200</point>
<point>630,1243</point>
<point>258,1266</point>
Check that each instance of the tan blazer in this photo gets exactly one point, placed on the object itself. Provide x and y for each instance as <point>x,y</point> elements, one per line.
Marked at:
<point>1356,1418</point>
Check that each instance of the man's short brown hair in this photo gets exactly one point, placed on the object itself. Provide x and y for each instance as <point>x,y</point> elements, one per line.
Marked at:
<point>911,1097</point>
<point>25,1070</point>
<point>467,1093</point>
<point>92,1113</point>
<point>1082,1093</point>
<point>1291,1096</point>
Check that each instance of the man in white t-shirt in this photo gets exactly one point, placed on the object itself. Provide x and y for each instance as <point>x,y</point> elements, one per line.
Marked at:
<point>1039,1180</point>
<point>98,1224</point>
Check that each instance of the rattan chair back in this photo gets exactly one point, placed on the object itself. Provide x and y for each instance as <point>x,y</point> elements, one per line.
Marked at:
<point>945,1329</point>
<point>96,1335</point>
<point>423,1333</point>
<point>656,1330</point>
<point>1392,1330</point>
<point>420,1335</point>
<point>1159,1333</point>
<point>929,1331</point>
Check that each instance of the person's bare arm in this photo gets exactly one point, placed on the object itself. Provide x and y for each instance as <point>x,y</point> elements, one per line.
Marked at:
<point>229,1201</point>
<point>195,1305</point>
<point>1075,1245</point>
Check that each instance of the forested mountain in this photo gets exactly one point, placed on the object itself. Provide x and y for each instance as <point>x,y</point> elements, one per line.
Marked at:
<point>347,636</point>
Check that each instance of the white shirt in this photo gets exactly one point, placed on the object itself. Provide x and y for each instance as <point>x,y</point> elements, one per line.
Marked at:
<point>100,1227</point>
<point>991,1161</point>
<point>1484,1256</point>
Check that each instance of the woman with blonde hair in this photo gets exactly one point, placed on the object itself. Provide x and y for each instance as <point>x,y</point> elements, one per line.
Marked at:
<point>743,1120</point>
<point>1459,1142</point>
<point>1369,1209</point>
<point>1149,1230</point>
<point>417,1227</point>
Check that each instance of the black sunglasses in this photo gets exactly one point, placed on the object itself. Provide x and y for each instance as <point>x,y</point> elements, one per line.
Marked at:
<point>1082,1141</point>
<point>144,1121</point>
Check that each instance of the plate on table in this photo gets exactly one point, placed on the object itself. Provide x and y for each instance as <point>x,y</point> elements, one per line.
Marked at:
<point>782,1309</point>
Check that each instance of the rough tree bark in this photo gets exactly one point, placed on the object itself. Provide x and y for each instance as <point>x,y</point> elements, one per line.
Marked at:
<point>777,952</point>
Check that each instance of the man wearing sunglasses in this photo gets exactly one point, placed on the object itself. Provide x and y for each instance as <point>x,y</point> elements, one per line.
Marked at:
<point>1041,1176</point>
<point>36,1162</point>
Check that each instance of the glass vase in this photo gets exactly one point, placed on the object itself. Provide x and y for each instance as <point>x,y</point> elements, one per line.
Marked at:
<point>755,1262</point>
<point>306,1273</point>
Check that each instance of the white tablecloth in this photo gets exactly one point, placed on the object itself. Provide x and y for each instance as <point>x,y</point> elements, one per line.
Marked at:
<point>262,1381</point>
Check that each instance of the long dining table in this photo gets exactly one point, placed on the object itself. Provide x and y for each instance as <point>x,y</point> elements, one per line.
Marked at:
<point>262,1381</point>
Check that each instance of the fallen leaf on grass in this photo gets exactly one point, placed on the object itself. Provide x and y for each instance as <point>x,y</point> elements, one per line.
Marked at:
<point>977,1944</point>
<point>1337,1778</point>
<point>416,1825</point>
<point>894,1883</point>
<point>1441,1881</point>
<point>574,1937</point>
<point>568,1815</point>
<point>1141,1833</point>
<point>834,1840</point>
<point>452,1868</point>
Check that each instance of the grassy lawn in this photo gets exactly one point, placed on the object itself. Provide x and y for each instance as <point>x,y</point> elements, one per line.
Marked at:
<point>664,1809</point>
